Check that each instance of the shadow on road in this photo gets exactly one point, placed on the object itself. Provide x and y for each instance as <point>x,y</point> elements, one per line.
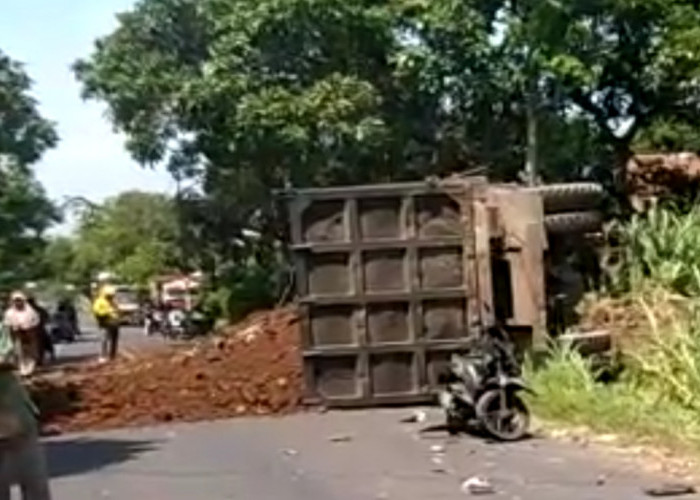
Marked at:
<point>81,455</point>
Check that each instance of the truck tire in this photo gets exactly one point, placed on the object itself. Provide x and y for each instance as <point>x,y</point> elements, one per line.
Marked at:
<point>574,222</point>
<point>574,196</point>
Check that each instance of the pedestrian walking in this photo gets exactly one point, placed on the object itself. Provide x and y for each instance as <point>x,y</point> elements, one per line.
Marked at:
<point>22,460</point>
<point>23,323</point>
<point>46,345</point>
<point>107,315</point>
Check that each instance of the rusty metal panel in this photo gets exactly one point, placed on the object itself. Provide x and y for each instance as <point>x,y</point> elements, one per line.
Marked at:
<point>387,279</point>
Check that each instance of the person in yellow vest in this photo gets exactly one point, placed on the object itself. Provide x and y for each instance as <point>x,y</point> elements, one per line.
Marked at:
<point>106,313</point>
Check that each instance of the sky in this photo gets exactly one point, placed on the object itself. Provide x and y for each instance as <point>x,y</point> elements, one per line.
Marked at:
<point>48,36</point>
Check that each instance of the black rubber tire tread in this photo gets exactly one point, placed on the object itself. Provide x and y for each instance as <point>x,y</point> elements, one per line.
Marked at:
<point>574,196</point>
<point>574,222</point>
<point>482,407</point>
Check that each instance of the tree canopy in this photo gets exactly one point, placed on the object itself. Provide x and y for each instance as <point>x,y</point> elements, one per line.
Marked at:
<point>133,235</point>
<point>239,96</point>
<point>25,210</point>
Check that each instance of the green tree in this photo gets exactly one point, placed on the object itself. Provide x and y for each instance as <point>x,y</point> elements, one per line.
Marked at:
<point>24,134</point>
<point>238,97</point>
<point>247,95</point>
<point>625,65</point>
<point>25,210</point>
<point>242,97</point>
<point>59,260</point>
<point>133,235</point>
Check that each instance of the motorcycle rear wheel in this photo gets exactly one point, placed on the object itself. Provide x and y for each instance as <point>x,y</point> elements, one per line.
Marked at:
<point>503,414</point>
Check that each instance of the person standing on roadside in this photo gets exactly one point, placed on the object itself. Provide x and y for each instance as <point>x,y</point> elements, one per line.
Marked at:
<point>23,322</point>
<point>22,460</point>
<point>107,315</point>
<point>45,341</point>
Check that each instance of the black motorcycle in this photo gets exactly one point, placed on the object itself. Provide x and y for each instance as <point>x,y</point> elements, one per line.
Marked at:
<point>481,390</point>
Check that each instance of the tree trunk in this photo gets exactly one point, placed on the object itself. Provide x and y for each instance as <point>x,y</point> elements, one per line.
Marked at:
<point>531,155</point>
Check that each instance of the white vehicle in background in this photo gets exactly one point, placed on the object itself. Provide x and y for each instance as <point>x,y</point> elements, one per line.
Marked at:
<point>176,291</point>
<point>129,305</point>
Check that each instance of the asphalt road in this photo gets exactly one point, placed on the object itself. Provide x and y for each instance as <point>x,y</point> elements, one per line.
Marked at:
<point>297,458</point>
<point>87,347</point>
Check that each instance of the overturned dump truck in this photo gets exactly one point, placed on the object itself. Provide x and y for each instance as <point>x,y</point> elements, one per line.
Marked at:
<point>393,278</point>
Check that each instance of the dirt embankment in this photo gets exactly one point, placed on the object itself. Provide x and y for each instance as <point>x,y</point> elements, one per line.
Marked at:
<point>253,368</point>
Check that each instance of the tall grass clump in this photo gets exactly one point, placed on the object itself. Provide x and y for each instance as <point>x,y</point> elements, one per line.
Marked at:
<point>657,395</point>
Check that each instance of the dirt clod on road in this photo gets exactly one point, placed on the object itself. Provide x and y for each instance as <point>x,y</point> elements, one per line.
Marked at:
<point>253,368</point>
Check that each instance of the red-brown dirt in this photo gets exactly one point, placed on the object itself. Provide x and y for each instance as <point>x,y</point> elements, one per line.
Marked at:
<point>650,176</point>
<point>253,368</point>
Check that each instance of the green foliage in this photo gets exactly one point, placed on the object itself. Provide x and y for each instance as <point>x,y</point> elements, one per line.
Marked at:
<point>657,281</point>
<point>59,260</point>
<point>239,97</point>
<point>25,211</point>
<point>323,91</point>
<point>24,134</point>
<point>670,136</point>
<point>661,248</point>
<point>655,398</point>
<point>134,235</point>
<point>618,61</point>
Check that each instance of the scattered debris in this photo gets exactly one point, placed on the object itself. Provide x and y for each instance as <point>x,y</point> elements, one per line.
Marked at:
<point>671,490</point>
<point>340,438</point>
<point>418,417</point>
<point>290,452</point>
<point>213,378</point>
<point>477,486</point>
<point>601,480</point>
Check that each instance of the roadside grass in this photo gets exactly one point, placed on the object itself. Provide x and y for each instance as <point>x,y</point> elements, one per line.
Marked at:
<point>652,306</point>
<point>567,392</point>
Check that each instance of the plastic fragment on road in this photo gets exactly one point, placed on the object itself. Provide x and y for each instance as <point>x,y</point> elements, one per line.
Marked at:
<point>477,486</point>
<point>340,438</point>
<point>418,417</point>
<point>437,448</point>
<point>671,490</point>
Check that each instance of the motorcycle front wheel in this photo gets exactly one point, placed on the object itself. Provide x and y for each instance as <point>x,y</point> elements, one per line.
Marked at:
<point>503,414</point>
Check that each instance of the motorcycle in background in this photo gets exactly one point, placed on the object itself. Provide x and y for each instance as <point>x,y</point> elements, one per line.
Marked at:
<point>153,322</point>
<point>61,327</point>
<point>175,323</point>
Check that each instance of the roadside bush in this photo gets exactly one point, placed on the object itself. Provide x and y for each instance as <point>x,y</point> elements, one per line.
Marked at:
<point>634,407</point>
<point>660,248</point>
<point>655,313</point>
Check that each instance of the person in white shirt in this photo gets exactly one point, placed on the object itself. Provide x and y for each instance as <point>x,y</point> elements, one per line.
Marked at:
<point>22,321</point>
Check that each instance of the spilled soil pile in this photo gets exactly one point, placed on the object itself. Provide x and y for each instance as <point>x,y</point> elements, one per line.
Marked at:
<point>253,368</point>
